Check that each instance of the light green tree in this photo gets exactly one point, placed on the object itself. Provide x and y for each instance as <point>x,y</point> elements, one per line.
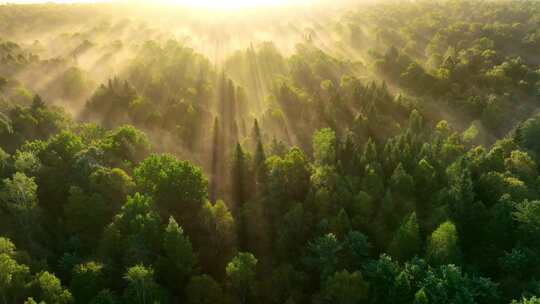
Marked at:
<point>142,287</point>
<point>443,245</point>
<point>50,289</point>
<point>241,272</point>
<point>13,276</point>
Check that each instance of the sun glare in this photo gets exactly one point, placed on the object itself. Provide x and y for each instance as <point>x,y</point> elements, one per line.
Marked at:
<point>235,4</point>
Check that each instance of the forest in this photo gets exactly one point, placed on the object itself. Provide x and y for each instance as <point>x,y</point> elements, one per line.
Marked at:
<point>379,152</point>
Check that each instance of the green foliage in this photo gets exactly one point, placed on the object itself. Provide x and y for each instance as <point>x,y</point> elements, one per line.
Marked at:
<point>323,255</point>
<point>357,248</point>
<point>49,288</point>
<point>87,281</point>
<point>134,231</point>
<point>142,287</point>
<point>203,289</point>
<point>218,234</point>
<point>19,195</point>
<point>349,187</point>
<point>241,272</point>
<point>177,263</point>
<point>532,300</point>
<point>527,215</point>
<point>284,284</point>
<point>18,198</point>
<point>521,165</point>
<point>176,185</point>
<point>105,297</point>
<point>345,288</point>
<point>406,242</point>
<point>401,183</point>
<point>125,145</point>
<point>292,231</point>
<point>239,176</point>
<point>86,215</point>
<point>32,301</point>
<point>29,123</point>
<point>26,162</point>
<point>381,275</point>
<point>288,176</point>
<point>443,245</point>
<point>14,277</point>
<point>7,247</point>
<point>449,284</point>
<point>527,135</point>
<point>74,83</point>
<point>324,147</point>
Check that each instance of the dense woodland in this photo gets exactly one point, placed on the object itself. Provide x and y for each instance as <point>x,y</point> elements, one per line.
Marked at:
<point>391,156</point>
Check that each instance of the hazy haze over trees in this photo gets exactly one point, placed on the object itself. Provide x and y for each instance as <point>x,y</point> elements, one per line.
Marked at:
<point>351,152</point>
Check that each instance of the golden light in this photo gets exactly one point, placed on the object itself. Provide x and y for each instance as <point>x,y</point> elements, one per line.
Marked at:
<point>236,4</point>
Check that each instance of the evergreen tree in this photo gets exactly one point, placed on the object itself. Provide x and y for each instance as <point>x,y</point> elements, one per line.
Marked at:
<point>406,242</point>
<point>443,245</point>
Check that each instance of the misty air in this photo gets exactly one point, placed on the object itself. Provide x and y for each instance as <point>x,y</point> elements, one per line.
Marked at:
<point>270,152</point>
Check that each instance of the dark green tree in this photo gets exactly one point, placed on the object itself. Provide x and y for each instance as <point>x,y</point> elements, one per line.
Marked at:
<point>407,241</point>
<point>345,288</point>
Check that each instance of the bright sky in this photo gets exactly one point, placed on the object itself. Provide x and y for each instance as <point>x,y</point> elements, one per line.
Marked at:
<point>47,1</point>
<point>212,4</point>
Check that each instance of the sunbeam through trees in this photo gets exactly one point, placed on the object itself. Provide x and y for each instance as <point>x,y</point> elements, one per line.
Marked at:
<point>272,152</point>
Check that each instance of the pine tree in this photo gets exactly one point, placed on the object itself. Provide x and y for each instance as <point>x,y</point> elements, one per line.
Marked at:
<point>238,175</point>
<point>369,154</point>
<point>401,182</point>
<point>215,166</point>
<point>178,260</point>
<point>443,246</point>
<point>259,159</point>
<point>406,242</point>
<point>239,193</point>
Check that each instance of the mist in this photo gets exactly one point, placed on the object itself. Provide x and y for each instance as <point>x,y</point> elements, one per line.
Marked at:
<point>269,152</point>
